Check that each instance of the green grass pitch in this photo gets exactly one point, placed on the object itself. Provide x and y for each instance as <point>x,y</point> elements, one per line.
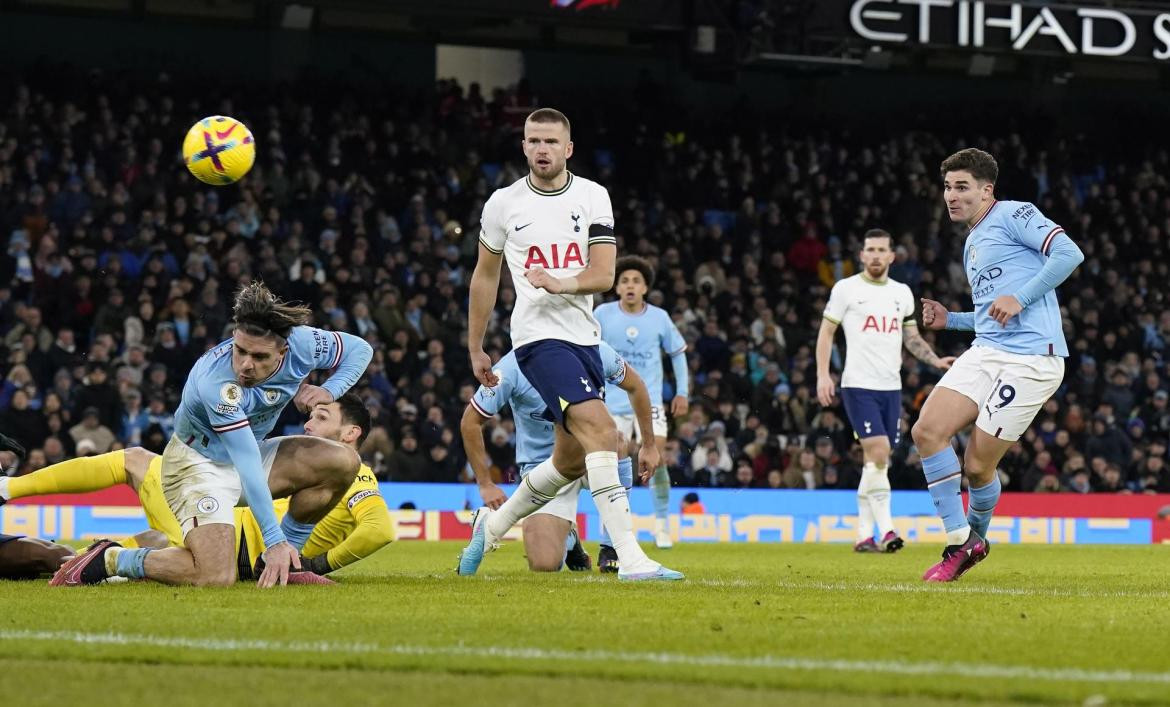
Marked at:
<point>752,625</point>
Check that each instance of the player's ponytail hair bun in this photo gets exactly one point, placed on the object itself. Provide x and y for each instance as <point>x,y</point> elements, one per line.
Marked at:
<point>258,312</point>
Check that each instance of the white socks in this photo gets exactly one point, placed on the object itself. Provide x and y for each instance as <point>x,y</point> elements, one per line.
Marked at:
<point>864,514</point>
<point>875,486</point>
<point>3,485</point>
<point>537,488</point>
<point>613,505</point>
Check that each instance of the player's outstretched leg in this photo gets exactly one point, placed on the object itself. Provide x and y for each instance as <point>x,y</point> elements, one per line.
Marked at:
<point>80,475</point>
<point>536,489</point>
<point>607,560</point>
<point>313,473</point>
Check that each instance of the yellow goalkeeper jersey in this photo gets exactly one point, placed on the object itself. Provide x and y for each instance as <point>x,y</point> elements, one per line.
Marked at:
<point>358,526</point>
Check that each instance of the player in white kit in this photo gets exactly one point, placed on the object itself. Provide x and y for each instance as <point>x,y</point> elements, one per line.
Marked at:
<point>877,314</point>
<point>555,231</point>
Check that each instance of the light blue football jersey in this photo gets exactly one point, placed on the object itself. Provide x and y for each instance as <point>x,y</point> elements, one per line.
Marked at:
<point>640,339</point>
<point>534,434</point>
<point>1005,250</point>
<point>214,403</point>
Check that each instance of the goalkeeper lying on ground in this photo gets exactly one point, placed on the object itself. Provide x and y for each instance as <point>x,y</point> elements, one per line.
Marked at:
<point>358,527</point>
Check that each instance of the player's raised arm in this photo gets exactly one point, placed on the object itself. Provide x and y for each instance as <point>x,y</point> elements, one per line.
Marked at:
<point>373,530</point>
<point>345,354</point>
<point>598,275</point>
<point>1033,230</point>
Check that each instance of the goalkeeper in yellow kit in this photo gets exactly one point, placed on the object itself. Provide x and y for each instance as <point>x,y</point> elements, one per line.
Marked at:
<point>356,528</point>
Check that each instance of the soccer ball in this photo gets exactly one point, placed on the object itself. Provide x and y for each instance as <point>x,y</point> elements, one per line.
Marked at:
<point>219,150</point>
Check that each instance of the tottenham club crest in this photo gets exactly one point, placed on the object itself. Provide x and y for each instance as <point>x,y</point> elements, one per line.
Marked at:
<point>272,397</point>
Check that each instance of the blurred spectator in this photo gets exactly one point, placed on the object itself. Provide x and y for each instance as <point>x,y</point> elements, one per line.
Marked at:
<point>407,463</point>
<point>804,471</point>
<point>90,434</point>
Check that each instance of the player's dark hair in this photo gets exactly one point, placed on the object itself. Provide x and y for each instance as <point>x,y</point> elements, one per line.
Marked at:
<point>980,164</point>
<point>258,312</point>
<point>878,233</point>
<point>354,412</point>
<point>549,115</point>
<point>634,262</point>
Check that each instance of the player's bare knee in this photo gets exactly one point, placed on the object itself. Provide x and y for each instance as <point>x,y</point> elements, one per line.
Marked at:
<point>222,577</point>
<point>926,434</point>
<point>544,564</point>
<point>345,463</point>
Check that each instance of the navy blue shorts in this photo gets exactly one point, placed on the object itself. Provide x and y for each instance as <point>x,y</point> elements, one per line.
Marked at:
<point>874,412</point>
<point>9,538</point>
<point>564,374</point>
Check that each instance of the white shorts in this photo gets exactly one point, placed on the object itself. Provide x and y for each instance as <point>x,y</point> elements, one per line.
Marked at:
<point>628,424</point>
<point>564,504</point>
<point>1009,388</point>
<point>200,491</point>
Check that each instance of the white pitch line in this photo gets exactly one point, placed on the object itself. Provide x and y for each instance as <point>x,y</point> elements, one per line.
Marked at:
<point>902,588</point>
<point>316,648</point>
<point>869,587</point>
<point>970,589</point>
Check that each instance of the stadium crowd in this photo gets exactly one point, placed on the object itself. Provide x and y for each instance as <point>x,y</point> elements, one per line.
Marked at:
<point>119,268</point>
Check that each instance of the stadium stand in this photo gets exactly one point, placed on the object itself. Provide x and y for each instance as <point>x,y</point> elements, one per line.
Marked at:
<point>118,267</point>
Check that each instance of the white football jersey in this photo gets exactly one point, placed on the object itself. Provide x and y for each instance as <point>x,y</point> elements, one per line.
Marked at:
<point>872,315</point>
<point>552,230</point>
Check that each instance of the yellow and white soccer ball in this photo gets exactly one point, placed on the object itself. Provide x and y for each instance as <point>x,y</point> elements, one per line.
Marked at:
<point>219,150</point>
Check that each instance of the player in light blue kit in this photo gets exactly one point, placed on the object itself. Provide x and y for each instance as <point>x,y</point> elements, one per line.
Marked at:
<point>640,332</point>
<point>549,531</point>
<point>233,397</point>
<point>1014,259</point>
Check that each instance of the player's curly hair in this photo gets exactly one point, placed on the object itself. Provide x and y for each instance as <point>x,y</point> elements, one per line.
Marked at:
<point>258,312</point>
<point>634,262</point>
<point>980,164</point>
